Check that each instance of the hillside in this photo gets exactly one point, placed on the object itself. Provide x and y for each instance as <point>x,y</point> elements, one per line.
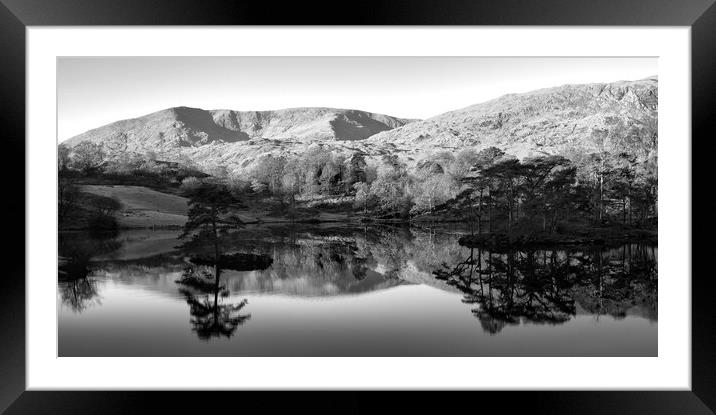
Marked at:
<point>569,120</point>
<point>616,117</point>
<point>180,127</point>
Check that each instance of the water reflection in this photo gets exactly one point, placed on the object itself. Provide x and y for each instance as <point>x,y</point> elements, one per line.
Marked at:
<point>206,257</point>
<point>313,290</point>
<point>210,315</point>
<point>77,251</point>
<point>549,287</point>
<point>79,294</point>
<point>210,319</point>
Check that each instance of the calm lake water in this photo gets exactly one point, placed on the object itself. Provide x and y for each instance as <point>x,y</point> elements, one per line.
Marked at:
<point>339,291</point>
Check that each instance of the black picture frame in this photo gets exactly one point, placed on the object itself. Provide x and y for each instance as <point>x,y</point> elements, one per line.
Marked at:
<point>16,15</point>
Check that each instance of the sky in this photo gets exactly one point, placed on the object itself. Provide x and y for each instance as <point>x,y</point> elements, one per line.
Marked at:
<point>94,91</point>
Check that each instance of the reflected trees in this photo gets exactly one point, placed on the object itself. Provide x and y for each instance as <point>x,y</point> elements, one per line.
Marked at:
<point>211,217</point>
<point>208,218</point>
<point>210,314</point>
<point>209,317</point>
<point>619,282</point>
<point>79,294</point>
<point>77,250</point>
<point>548,287</point>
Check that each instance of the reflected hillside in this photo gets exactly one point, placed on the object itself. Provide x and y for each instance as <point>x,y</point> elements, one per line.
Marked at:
<point>330,261</point>
<point>306,261</point>
<point>310,265</point>
<point>351,291</point>
<point>343,261</point>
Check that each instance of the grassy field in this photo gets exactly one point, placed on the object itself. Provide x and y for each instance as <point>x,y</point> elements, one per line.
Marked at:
<point>143,207</point>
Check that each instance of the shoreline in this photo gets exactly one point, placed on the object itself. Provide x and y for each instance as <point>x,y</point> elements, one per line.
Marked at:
<point>496,240</point>
<point>501,241</point>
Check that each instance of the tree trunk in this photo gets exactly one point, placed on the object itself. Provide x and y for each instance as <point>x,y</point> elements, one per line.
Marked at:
<point>216,234</point>
<point>217,274</point>
<point>509,217</point>
<point>489,213</point>
<point>601,195</point>
<point>624,211</point>
<point>472,220</point>
<point>479,214</point>
<point>553,225</point>
<point>216,283</point>
<point>479,271</point>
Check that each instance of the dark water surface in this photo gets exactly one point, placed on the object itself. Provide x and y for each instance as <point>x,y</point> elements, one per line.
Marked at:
<point>335,291</point>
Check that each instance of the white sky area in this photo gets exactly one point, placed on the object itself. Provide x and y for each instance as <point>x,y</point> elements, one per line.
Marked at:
<point>94,91</point>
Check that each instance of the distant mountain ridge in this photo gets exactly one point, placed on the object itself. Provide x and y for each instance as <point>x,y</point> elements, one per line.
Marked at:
<point>569,120</point>
<point>186,127</point>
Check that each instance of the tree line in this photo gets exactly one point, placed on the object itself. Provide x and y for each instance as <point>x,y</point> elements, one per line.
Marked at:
<point>488,188</point>
<point>546,286</point>
<point>88,159</point>
<point>538,192</point>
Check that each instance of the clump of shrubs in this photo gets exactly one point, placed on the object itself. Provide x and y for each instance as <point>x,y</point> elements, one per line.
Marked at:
<point>190,184</point>
<point>102,217</point>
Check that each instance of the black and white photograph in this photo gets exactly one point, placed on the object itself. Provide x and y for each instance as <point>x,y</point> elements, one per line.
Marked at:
<point>357,206</point>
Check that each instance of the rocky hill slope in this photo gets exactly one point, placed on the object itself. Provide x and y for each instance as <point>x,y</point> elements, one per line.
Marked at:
<point>570,120</point>
<point>620,116</point>
<point>178,127</point>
